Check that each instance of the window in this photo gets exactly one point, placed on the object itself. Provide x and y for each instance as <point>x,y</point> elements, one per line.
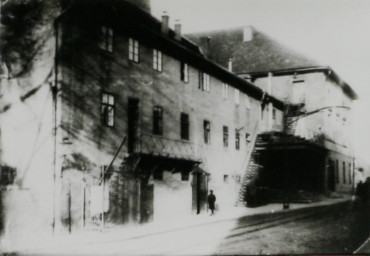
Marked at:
<point>225,89</point>
<point>237,139</point>
<point>157,60</point>
<point>238,178</point>
<point>203,81</point>
<point>336,171</point>
<point>133,50</point>
<point>274,114</point>
<point>184,175</point>
<point>107,109</point>
<point>184,72</point>
<point>344,172</point>
<point>237,96</point>
<point>225,130</point>
<point>226,178</point>
<point>247,138</point>
<point>247,102</point>
<point>106,39</point>
<point>184,127</point>
<point>207,131</point>
<point>157,120</point>
<point>349,174</point>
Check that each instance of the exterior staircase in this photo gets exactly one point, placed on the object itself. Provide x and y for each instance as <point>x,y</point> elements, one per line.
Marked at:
<point>251,167</point>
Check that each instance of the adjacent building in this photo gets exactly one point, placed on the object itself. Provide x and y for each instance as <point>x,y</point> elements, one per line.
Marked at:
<point>315,152</point>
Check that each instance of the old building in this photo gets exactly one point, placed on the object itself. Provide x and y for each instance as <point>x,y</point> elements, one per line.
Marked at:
<point>109,116</point>
<point>315,149</point>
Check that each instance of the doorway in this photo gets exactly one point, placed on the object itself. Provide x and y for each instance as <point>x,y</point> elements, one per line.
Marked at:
<point>73,205</point>
<point>199,191</point>
<point>132,123</point>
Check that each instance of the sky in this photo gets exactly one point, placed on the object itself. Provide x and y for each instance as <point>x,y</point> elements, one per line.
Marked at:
<point>333,32</point>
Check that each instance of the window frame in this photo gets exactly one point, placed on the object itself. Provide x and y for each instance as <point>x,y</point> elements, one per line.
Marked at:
<point>336,171</point>
<point>237,139</point>
<point>207,131</point>
<point>225,91</point>
<point>247,102</point>
<point>344,172</point>
<point>157,120</point>
<point>106,38</point>
<point>157,60</point>
<point>349,173</point>
<point>107,118</point>
<point>184,72</point>
<point>225,136</point>
<point>204,81</point>
<point>237,96</point>
<point>184,126</point>
<point>133,50</point>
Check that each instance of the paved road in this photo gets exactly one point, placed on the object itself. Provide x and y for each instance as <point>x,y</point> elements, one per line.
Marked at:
<point>339,228</point>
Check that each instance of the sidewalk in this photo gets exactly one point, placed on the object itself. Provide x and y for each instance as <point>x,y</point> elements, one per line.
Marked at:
<point>122,233</point>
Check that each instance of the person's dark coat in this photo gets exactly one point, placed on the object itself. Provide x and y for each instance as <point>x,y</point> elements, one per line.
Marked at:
<point>211,201</point>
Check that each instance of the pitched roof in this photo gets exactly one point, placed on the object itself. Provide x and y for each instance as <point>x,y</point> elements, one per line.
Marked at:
<point>259,53</point>
<point>123,16</point>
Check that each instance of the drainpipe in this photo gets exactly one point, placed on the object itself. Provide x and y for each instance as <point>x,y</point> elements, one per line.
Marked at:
<point>55,105</point>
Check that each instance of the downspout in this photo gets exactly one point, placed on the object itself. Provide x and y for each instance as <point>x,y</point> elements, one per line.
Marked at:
<point>54,89</point>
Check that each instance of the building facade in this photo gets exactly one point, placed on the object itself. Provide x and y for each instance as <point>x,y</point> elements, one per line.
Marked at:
<point>116,118</point>
<point>319,110</point>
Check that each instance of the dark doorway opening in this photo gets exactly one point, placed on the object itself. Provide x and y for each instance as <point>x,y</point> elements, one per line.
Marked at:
<point>133,123</point>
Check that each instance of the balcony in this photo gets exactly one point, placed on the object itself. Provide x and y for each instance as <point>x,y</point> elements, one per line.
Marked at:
<point>164,147</point>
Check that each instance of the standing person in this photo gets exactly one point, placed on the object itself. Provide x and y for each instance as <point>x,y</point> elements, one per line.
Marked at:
<point>211,202</point>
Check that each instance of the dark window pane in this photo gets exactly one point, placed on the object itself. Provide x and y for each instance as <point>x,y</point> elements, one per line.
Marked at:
<point>157,120</point>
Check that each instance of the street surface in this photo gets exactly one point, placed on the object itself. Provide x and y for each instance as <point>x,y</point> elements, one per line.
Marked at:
<point>338,229</point>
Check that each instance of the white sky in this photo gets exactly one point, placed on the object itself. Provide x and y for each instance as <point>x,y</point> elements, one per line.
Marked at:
<point>334,32</point>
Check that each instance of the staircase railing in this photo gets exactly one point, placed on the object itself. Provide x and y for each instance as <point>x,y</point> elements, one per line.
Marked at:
<point>247,158</point>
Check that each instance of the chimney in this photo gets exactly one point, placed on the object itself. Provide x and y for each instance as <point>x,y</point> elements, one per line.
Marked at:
<point>230,65</point>
<point>177,30</point>
<point>205,43</point>
<point>247,34</point>
<point>165,22</point>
